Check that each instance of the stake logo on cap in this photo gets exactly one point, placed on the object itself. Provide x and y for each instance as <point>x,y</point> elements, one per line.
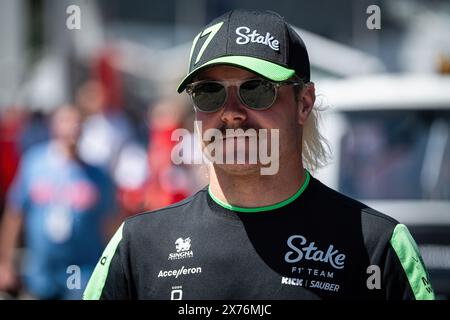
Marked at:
<point>261,42</point>
<point>245,37</point>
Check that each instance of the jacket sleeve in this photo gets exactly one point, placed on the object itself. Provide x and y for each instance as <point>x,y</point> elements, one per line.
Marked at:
<point>109,280</point>
<point>405,276</point>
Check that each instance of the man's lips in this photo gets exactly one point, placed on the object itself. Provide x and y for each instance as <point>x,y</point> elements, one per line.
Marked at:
<point>231,136</point>
<point>235,133</point>
<point>234,137</point>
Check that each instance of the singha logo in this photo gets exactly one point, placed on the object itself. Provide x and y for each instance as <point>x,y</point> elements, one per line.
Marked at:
<point>183,245</point>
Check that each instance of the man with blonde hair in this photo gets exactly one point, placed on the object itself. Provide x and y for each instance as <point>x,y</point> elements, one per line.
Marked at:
<point>279,235</point>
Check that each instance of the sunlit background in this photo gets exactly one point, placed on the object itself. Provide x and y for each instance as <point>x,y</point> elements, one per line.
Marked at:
<point>385,94</point>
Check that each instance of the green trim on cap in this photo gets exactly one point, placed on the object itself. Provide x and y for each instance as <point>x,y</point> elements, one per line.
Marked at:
<point>408,253</point>
<point>98,279</point>
<point>264,208</point>
<point>267,69</point>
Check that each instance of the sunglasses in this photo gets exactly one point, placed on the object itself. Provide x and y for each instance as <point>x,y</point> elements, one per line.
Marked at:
<point>256,94</point>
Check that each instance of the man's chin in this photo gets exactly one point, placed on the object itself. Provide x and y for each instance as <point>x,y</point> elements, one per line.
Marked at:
<point>238,169</point>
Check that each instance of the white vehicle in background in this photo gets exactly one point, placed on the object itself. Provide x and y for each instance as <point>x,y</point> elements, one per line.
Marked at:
<point>390,141</point>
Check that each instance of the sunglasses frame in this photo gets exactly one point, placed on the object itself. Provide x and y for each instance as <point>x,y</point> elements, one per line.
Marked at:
<point>238,82</point>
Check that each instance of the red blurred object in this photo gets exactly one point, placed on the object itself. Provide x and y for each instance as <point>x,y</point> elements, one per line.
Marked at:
<point>11,124</point>
<point>107,74</point>
<point>167,183</point>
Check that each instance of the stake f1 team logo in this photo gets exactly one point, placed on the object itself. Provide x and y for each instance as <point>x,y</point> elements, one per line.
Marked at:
<point>183,248</point>
<point>301,249</point>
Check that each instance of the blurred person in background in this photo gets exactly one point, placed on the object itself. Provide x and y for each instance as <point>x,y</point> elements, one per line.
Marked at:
<point>66,208</point>
<point>157,181</point>
<point>20,129</point>
<point>106,127</point>
<point>104,131</point>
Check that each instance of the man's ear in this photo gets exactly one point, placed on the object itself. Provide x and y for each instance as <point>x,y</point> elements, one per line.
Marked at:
<point>307,97</point>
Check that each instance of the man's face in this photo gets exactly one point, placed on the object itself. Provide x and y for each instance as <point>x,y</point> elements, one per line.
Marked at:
<point>66,125</point>
<point>282,115</point>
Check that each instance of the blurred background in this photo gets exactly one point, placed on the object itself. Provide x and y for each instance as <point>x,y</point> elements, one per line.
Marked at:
<point>95,80</point>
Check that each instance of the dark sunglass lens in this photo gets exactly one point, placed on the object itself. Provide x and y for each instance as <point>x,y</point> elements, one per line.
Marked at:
<point>257,94</point>
<point>208,96</point>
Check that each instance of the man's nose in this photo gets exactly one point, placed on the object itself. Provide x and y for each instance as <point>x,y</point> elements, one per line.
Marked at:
<point>233,111</point>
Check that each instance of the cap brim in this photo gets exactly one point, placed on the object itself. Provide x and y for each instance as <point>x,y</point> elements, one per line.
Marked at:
<point>266,69</point>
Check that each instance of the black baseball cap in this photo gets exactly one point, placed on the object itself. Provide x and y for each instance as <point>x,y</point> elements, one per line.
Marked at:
<point>261,42</point>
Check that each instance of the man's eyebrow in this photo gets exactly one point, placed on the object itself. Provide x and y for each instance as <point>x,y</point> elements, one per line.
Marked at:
<point>204,78</point>
<point>209,78</point>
